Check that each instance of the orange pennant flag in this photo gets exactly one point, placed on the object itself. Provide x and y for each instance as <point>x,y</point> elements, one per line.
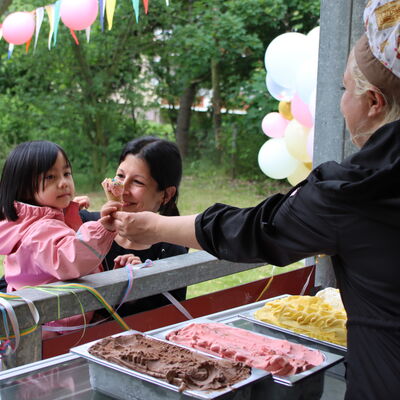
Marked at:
<point>74,36</point>
<point>27,44</point>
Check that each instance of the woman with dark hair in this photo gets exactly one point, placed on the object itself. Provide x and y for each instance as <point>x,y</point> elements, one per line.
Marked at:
<point>150,169</point>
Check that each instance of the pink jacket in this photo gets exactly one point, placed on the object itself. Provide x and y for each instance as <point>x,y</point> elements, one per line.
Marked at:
<point>45,245</point>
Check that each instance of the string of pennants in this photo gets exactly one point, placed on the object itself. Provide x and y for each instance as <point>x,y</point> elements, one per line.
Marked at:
<point>18,28</point>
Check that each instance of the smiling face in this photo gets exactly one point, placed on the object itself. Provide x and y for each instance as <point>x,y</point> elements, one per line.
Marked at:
<point>141,191</point>
<point>56,186</point>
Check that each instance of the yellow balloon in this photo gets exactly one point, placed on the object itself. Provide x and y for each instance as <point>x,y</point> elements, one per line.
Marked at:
<point>285,110</point>
<point>308,165</point>
<point>299,174</point>
<point>295,137</point>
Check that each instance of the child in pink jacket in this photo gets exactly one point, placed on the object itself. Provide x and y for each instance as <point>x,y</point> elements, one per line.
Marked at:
<point>41,232</point>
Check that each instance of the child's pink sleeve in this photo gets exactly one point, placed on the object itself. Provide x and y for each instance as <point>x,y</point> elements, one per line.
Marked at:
<point>65,254</point>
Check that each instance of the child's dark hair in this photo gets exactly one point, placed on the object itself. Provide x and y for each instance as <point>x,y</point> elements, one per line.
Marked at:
<point>22,171</point>
<point>165,164</point>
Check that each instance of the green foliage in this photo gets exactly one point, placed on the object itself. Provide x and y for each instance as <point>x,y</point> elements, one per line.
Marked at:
<point>91,98</point>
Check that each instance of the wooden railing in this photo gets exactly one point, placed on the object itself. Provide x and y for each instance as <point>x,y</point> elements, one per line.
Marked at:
<point>164,275</point>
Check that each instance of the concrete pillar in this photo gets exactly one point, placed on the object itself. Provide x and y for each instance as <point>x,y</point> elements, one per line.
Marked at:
<point>341,25</point>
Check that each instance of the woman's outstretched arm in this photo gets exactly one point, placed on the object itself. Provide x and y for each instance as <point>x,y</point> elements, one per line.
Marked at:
<point>149,228</point>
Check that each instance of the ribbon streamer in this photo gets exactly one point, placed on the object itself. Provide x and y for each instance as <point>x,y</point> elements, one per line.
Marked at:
<point>268,284</point>
<point>14,322</point>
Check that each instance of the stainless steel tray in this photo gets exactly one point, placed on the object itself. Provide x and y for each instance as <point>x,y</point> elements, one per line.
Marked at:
<point>249,315</point>
<point>330,359</point>
<point>127,384</point>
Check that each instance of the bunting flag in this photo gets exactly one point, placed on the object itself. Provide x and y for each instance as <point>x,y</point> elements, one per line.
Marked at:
<point>102,7</point>
<point>146,6</point>
<point>50,13</point>
<point>10,50</point>
<point>110,8</point>
<point>39,19</point>
<point>56,20</point>
<point>74,36</point>
<point>135,4</point>
<point>27,45</point>
<point>106,8</point>
<point>87,30</point>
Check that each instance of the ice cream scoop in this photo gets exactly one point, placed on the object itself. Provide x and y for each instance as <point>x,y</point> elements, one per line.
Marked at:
<point>113,189</point>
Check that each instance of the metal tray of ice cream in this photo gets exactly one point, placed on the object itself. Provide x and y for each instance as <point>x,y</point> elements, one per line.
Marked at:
<point>330,358</point>
<point>127,384</point>
<point>249,315</point>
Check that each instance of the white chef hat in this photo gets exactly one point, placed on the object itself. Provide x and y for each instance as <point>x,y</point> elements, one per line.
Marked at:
<point>377,52</point>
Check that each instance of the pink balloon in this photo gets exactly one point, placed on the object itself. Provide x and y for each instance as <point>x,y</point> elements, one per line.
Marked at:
<point>301,112</point>
<point>18,27</point>
<point>274,125</point>
<point>78,14</point>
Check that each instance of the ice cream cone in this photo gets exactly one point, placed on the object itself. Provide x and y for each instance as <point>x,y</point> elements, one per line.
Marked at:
<point>113,189</point>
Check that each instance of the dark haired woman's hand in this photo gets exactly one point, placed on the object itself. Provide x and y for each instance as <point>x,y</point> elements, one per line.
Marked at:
<point>124,260</point>
<point>83,201</point>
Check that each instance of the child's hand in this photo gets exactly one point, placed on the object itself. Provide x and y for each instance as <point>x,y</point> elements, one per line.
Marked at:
<point>122,261</point>
<point>83,201</point>
<point>106,218</point>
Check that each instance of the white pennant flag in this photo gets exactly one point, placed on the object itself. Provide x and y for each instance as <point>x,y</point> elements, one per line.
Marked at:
<point>39,20</point>
<point>87,33</point>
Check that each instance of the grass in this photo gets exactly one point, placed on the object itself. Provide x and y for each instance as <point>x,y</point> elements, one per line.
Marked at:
<point>201,191</point>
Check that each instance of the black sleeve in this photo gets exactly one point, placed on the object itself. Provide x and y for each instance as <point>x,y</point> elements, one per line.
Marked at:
<point>280,230</point>
<point>89,215</point>
<point>171,250</point>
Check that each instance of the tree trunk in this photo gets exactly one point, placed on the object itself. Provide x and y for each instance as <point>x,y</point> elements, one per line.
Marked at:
<point>184,116</point>
<point>217,104</point>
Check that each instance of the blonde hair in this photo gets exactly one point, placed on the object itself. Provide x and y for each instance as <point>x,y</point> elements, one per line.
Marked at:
<point>392,103</point>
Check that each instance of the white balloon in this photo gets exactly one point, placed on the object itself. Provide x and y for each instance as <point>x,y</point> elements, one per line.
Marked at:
<point>283,56</point>
<point>306,78</point>
<point>313,41</point>
<point>274,159</point>
<point>312,103</point>
<point>278,92</point>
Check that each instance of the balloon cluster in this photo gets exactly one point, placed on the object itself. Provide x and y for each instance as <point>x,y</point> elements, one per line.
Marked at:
<point>291,61</point>
<point>18,27</point>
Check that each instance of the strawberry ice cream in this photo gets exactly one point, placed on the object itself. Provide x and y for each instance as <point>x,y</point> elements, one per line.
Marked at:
<point>113,189</point>
<point>279,357</point>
